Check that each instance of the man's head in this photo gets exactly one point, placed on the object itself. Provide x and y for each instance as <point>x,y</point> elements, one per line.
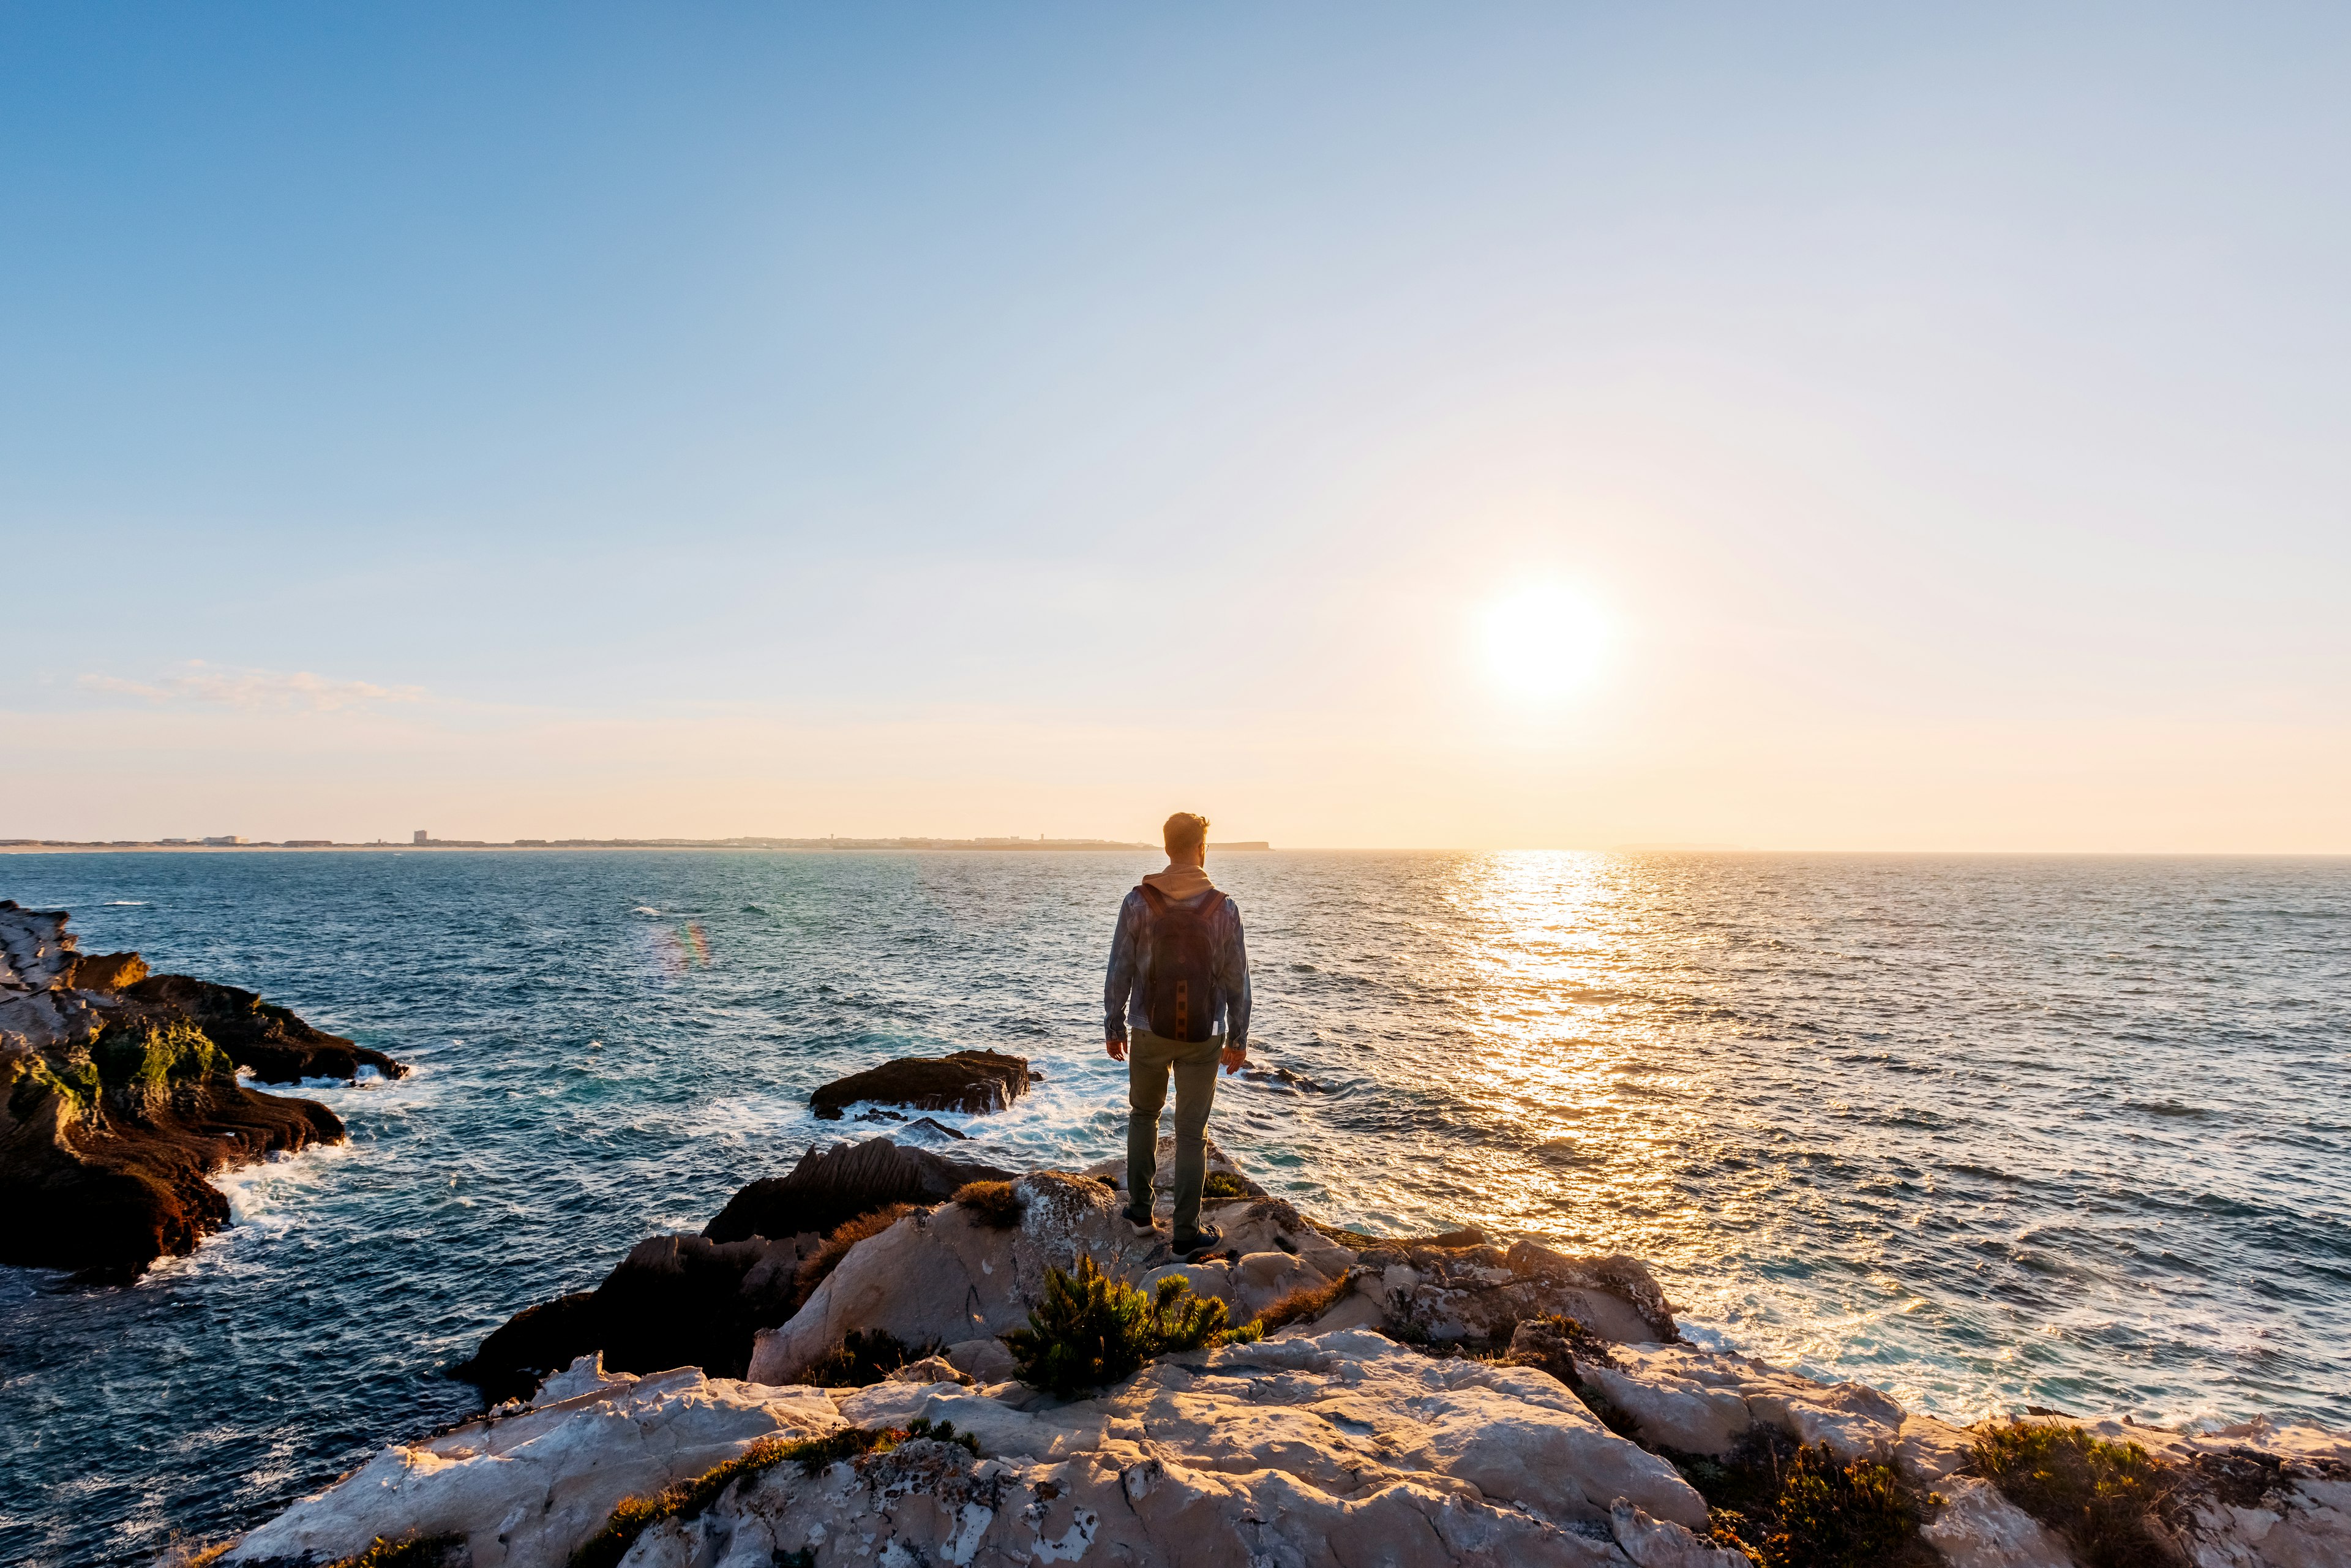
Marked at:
<point>1186,834</point>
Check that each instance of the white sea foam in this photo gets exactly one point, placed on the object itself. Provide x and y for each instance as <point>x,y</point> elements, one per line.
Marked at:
<point>268,1193</point>
<point>124,904</point>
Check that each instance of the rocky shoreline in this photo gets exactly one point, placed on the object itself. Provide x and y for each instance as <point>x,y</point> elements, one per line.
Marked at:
<point>120,1096</point>
<point>1448,1399</point>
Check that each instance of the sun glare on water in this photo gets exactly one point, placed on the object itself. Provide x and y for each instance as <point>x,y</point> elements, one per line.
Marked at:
<point>1542,641</point>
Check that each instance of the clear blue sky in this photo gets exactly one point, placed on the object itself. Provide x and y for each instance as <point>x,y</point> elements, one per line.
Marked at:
<point>711,420</point>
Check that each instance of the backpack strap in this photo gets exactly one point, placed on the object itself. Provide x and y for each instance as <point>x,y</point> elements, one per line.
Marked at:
<point>1153,899</point>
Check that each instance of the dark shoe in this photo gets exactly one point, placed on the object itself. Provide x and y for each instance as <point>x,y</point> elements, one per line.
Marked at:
<point>1199,1241</point>
<point>1143,1224</point>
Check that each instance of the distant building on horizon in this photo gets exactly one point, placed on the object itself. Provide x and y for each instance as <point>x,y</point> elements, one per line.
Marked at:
<point>225,840</point>
<point>422,837</point>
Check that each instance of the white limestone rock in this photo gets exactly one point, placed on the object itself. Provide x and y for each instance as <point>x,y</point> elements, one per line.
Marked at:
<point>986,1359</point>
<point>1978,1528</point>
<point>585,1375</point>
<point>1342,1449</point>
<point>929,1370</point>
<point>941,1276</point>
<point>1702,1401</point>
<point>946,1277</point>
<point>526,1489</point>
<point>1652,1543</point>
<point>1482,1292</point>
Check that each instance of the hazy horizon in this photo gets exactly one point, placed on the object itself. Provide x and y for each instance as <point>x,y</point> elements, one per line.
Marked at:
<point>1540,427</point>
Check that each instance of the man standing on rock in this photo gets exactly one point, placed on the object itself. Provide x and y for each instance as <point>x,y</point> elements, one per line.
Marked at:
<point>1179,983</point>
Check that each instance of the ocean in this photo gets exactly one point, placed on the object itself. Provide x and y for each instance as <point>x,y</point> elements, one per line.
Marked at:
<point>1980,1131</point>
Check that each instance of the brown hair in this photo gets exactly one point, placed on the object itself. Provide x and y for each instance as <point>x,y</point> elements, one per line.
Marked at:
<point>1185,832</point>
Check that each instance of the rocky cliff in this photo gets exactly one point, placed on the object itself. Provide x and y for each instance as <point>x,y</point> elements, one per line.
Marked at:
<point>1443,1400</point>
<point>120,1096</point>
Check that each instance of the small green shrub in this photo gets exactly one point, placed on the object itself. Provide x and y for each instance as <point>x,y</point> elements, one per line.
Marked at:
<point>144,1054</point>
<point>2097,1494</point>
<point>1840,1516</point>
<point>1091,1331</point>
<point>991,1203</point>
<point>1223,1186</point>
<point>864,1356</point>
<point>1790,1507</point>
<point>692,1499</point>
<point>409,1552</point>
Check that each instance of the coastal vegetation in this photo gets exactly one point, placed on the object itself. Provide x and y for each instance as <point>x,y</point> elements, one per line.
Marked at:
<point>836,1246</point>
<point>1224,1187</point>
<point>409,1552</point>
<point>864,1356</point>
<point>1091,1329</point>
<point>2099,1496</point>
<point>1303,1304</point>
<point>992,1202</point>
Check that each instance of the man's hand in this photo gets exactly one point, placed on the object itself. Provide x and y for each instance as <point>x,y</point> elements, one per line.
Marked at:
<point>1233,1059</point>
<point>1117,1049</point>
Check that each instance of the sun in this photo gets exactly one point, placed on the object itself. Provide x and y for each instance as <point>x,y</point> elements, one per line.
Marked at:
<point>1542,641</point>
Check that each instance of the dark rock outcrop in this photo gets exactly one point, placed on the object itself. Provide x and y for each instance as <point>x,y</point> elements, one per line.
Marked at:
<point>837,1185</point>
<point>675,1300</point>
<point>106,971</point>
<point>960,1081</point>
<point>117,1102</point>
<point>699,1301</point>
<point>269,1042</point>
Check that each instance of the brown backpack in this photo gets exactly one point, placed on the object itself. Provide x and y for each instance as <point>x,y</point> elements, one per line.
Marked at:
<point>1175,967</point>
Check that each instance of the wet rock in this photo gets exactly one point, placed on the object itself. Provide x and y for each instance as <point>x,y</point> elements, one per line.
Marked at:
<point>532,1344</point>
<point>115,1109</point>
<point>674,1301</point>
<point>961,1080</point>
<point>107,971</point>
<point>700,1300</point>
<point>843,1181</point>
<point>270,1041</point>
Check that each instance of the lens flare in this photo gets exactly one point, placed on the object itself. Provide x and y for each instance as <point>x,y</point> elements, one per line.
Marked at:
<point>688,947</point>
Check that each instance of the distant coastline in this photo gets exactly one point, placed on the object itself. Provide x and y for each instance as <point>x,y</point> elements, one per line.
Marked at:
<point>226,845</point>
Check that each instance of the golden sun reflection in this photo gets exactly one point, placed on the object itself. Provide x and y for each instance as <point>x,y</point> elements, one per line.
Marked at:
<point>1556,989</point>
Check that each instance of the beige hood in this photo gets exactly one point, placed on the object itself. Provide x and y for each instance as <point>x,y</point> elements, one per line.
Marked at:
<point>1181,881</point>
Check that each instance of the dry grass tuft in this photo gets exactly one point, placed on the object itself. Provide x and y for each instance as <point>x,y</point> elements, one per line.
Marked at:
<point>1303,1304</point>
<point>691,1499</point>
<point>836,1247</point>
<point>865,1357</point>
<point>409,1552</point>
<point>991,1203</point>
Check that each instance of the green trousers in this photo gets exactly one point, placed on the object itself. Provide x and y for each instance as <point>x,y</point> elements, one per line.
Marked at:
<point>1149,1060</point>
